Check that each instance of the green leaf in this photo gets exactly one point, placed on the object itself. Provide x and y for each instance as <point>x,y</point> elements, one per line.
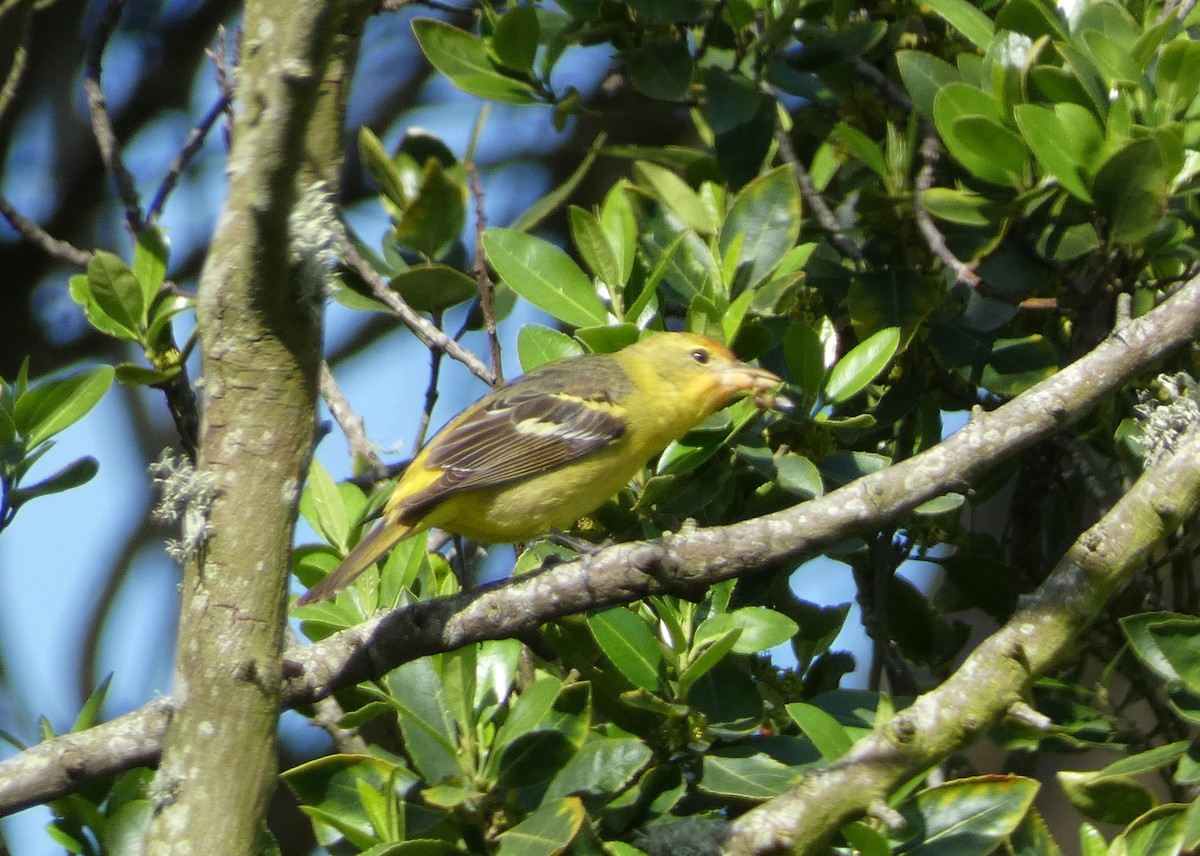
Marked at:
<point>713,650</point>
<point>1015,365</point>
<point>1130,190</point>
<point>150,255</point>
<point>865,362</point>
<point>967,19</point>
<point>1145,762</point>
<point>672,191</point>
<point>1066,142</point>
<point>545,276</point>
<point>547,831</point>
<point>74,474</point>
<point>532,216</point>
<point>762,629</point>
<point>464,59</point>
<point>629,645</point>
<point>891,297</point>
<point>515,40</point>
<point>1111,799</point>
<point>382,168</point>
<point>805,357</point>
<point>594,247</point>
<point>661,69</point>
<point>433,287</point>
<point>863,148</point>
<point>988,149</point>
<point>537,345</point>
<point>968,817</point>
<point>435,214</point>
<point>966,117</point>
<point>131,374</point>
<point>603,767</point>
<point>766,215</point>
<point>1161,830</point>
<point>825,732</point>
<point>49,407</point>
<point>536,756</point>
<point>1143,631</point>
<point>798,475</point>
<point>426,720</point>
<point>325,509</point>
<point>742,773</point>
<point>964,207</point>
<point>1177,77</point>
<point>924,76</point>
<point>528,713</point>
<point>620,226</point>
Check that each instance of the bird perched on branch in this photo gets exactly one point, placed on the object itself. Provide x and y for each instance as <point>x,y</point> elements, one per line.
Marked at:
<point>555,444</point>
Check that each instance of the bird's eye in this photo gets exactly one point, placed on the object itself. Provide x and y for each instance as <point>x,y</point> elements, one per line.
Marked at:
<point>700,355</point>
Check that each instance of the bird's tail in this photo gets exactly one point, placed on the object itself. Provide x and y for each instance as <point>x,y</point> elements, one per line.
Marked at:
<point>367,552</point>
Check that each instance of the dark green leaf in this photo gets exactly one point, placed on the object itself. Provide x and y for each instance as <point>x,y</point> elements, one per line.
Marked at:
<point>433,287</point>
<point>1130,190</point>
<point>603,767</point>
<point>805,358</point>
<point>661,70</point>
<point>1017,364</point>
<point>536,756</point>
<point>435,214</point>
<point>430,736</point>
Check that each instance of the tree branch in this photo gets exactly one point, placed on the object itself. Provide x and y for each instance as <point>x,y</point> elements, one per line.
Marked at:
<point>994,678</point>
<point>627,572</point>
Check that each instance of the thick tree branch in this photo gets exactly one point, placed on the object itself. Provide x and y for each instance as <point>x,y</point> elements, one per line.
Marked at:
<point>626,572</point>
<point>995,677</point>
<point>258,312</point>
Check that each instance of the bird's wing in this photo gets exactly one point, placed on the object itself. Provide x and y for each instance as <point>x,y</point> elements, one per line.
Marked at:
<point>519,431</point>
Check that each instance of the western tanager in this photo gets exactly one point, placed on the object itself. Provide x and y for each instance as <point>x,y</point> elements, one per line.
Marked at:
<point>553,445</point>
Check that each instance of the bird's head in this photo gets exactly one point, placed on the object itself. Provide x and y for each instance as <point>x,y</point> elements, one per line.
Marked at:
<point>708,370</point>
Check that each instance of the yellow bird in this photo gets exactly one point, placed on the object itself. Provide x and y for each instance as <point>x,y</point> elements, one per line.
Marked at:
<point>552,446</point>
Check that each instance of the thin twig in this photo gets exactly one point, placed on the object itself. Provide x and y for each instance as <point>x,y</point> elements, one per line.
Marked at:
<point>431,392</point>
<point>930,152</point>
<point>102,127</point>
<point>35,234</point>
<point>16,71</point>
<point>487,289</point>
<point>361,448</point>
<point>219,58</point>
<point>879,81</point>
<point>422,327</point>
<point>812,197</point>
<point>190,147</point>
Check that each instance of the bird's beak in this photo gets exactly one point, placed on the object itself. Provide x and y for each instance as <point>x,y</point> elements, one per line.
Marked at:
<point>760,383</point>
